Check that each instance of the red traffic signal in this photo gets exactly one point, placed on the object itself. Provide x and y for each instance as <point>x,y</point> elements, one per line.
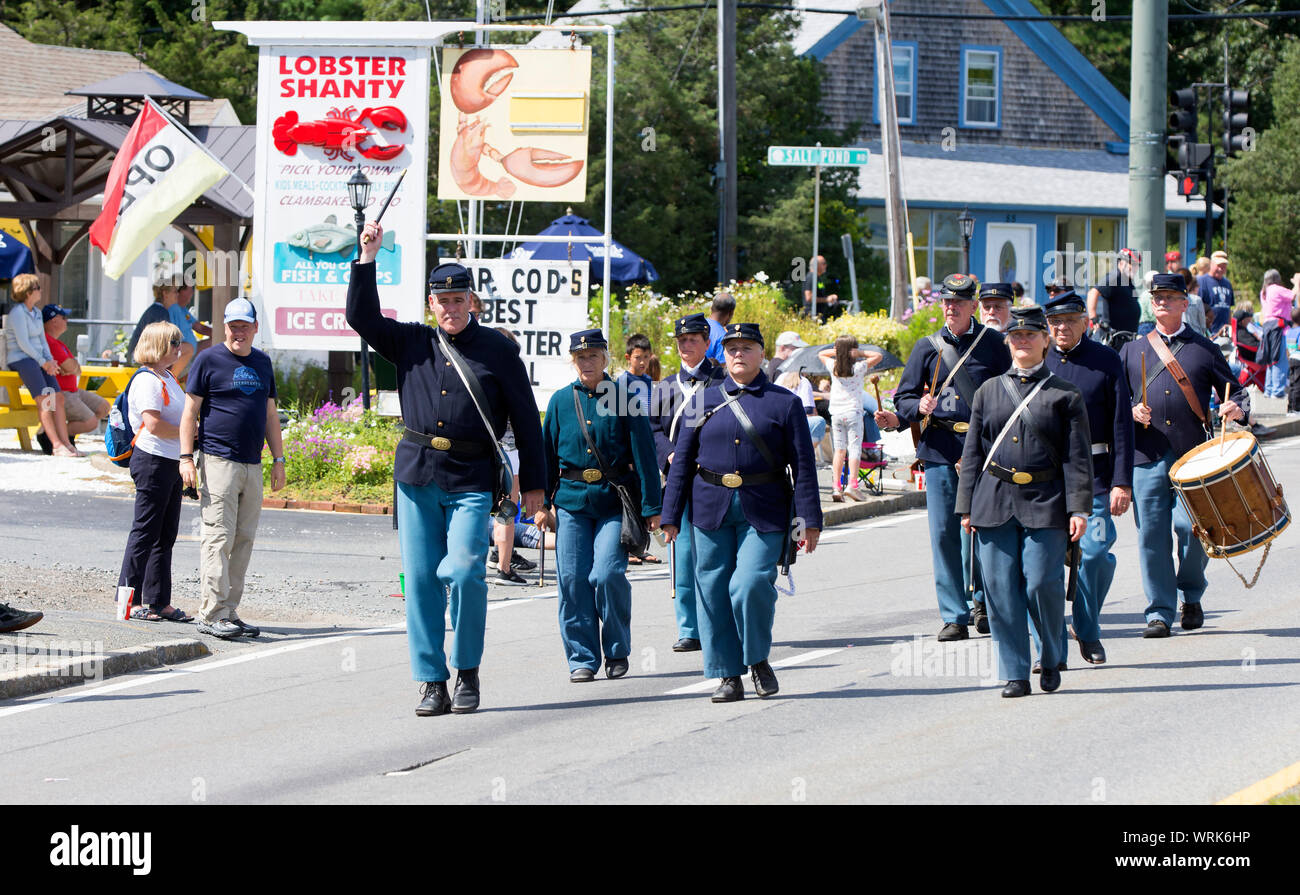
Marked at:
<point>1187,185</point>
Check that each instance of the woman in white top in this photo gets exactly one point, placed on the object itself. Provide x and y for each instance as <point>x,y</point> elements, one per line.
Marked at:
<point>848,365</point>
<point>154,404</point>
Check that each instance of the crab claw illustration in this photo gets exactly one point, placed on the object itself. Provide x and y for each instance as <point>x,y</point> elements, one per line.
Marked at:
<point>541,167</point>
<point>469,79</point>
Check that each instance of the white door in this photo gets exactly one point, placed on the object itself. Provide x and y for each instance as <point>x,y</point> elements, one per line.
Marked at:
<point>1009,256</point>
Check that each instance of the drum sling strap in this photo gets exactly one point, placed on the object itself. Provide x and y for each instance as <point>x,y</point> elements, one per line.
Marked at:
<point>1015,414</point>
<point>1170,363</point>
<point>958,376</point>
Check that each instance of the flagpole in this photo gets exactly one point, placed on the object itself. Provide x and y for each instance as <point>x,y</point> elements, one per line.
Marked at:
<point>199,143</point>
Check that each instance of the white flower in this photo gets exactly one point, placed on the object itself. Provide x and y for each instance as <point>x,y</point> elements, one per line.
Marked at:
<point>761,277</point>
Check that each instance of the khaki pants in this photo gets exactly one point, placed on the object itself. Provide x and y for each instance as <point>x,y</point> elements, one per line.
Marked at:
<point>230,503</point>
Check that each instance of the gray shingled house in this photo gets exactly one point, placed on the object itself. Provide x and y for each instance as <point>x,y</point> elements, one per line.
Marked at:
<point>1003,117</point>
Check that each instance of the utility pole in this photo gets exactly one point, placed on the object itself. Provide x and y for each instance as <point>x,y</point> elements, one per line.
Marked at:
<point>727,140</point>
<point>896,224</point>
<point>1147,117</point>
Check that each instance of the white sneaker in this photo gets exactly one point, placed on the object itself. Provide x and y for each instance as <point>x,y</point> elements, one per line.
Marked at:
<point>854,494</point>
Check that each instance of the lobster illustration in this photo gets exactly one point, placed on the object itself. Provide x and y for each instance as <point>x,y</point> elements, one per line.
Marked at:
<point>469,78</point>
<point>340,132</point>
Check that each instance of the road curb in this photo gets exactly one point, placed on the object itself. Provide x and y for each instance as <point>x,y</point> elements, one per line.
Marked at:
<point>842,514</point>
<point>78,669</point>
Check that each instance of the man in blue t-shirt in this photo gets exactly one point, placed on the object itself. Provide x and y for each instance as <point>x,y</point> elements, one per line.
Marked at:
<point>1216,292</point>
<point>720,313</point>
<point>229,411</point>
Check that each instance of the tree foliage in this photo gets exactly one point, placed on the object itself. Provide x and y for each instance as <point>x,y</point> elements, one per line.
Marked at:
<point>1265,188</point>
<point>665,193</point>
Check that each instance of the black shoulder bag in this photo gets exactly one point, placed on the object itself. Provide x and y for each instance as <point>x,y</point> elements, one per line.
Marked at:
<point>504,508</point>
<point>635,537</point>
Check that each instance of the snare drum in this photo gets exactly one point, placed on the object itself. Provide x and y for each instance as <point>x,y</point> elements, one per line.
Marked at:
<point>1230,494</point>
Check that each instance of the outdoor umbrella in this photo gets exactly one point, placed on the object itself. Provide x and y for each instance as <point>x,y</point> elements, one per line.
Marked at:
<point>805,360</point>
<point>15,258</point>
<point>626,267</point>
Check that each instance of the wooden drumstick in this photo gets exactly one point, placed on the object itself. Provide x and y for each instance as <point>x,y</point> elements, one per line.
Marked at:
<point>1144,381</point>
<point>875,384</point>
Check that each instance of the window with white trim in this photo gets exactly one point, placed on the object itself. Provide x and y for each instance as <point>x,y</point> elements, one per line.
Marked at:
<point>981,75</point>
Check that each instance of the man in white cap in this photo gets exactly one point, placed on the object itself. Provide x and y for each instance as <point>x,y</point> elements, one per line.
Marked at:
<point>786,344</point>
<point>1216,291</point>
<point>229,412</point>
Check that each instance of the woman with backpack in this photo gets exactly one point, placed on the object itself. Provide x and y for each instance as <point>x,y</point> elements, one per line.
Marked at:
<point>154,402</point>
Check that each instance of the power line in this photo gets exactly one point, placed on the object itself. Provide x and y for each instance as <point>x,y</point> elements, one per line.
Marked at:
<point>1173,17</point>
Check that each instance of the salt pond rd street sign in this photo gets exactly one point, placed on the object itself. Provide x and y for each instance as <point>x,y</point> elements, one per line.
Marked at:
<point>826,156</point>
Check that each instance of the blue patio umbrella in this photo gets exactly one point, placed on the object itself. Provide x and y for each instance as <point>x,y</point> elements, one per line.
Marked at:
<point>627,266</point>
<point>15,258</point>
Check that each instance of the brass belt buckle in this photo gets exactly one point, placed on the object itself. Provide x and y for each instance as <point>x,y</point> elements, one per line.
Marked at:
<point>591,475</point>
<point>1021,478</point>
<point>961,428</point>
<point>440,443</point>
<point>732,480</point>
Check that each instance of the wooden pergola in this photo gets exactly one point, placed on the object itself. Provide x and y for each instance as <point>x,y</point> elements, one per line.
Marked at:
<point>56,169</point>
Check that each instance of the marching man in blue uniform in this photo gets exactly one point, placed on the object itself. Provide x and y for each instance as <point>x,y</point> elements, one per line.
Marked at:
<point>1097,371</point>
<point>672,410</point>
<point>1025,489</point>
<point>1182,367</point>
<point>936,389</point>
<point>596,436</point>
<point>446,467</point>
<point>746,467</point>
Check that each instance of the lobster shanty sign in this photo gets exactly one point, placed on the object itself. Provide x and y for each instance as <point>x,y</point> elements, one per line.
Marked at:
<point>320,114</point>
<point>513,124</point>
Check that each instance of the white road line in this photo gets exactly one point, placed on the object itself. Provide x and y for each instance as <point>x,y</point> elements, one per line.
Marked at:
<point>140,681</point>
<point>784,663</point>
<point>888,522</point>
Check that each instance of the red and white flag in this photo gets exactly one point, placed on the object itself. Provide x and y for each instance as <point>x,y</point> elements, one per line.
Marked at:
<point>158,173</point>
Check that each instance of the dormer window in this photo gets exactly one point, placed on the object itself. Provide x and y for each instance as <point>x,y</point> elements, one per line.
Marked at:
<point>904,53</point>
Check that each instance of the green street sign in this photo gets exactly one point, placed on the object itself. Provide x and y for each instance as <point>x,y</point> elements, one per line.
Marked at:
<point>826,156</point>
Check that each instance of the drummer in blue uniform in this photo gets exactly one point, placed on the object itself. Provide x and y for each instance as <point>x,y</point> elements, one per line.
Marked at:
<point>446,465</point>
<point>746,468</point>
<point>670,414</point>
<point>1025,488</point>
<point>1168,426</point>
<point>595,436</point>
<point>954,362</point>
<point>1097,371</point>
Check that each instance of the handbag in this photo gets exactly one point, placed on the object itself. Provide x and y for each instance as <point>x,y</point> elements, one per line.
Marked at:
<point>635,536</point>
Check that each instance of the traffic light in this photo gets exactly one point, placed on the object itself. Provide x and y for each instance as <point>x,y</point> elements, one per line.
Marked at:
<point>1183,118</point>
<point>1237,133</point>
<point>1187,155</point>
<point>1188,184</point>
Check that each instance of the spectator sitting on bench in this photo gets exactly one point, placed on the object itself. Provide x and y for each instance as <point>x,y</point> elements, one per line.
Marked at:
<point>82,409</point>
<point>29,356</point>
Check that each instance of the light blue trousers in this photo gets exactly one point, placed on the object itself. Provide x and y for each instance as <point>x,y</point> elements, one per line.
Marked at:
<point>949,546</point>
<point>1161,520</point>
<point>1025,585</point>
<point>684,592</point>
<point>735,571</point>
<point>1096,572</point>
<point>443,536</point>
<point>595,595</point>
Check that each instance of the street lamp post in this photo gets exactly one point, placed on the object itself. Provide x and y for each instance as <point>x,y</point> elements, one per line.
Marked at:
<point>967,222</point>
<point>359,196</point>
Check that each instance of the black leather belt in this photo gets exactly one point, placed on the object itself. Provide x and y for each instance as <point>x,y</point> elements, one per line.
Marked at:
<point>590,476</point>
<point>957,427</point>
<point>1023,477</point>
<point>736,480</point>
<point>439,443</point>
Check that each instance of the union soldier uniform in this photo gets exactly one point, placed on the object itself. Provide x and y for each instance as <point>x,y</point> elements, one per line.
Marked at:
<point>446,470</point>
<point>670,414</point>
<point>1026,467</point>
<point>977,354</point>
<point>1175,428</point>
<point>1099,374</point>
<point>595,603</point>
<point>740,507</point>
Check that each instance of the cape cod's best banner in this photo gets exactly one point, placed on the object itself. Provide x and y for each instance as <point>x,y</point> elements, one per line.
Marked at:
<point>541,302</point>
<point>320,114</point>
